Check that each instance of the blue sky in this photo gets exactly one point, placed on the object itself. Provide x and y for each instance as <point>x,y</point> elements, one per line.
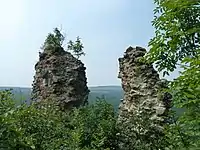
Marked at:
<point>107,28</point>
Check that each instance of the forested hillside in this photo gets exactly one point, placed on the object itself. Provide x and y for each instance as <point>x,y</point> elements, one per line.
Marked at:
<point>112,94</point>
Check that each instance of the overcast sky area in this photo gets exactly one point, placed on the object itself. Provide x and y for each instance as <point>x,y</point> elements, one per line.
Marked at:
<point>107,28</point>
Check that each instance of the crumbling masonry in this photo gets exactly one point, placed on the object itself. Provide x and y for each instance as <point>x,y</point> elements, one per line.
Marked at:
<point>143,109</point>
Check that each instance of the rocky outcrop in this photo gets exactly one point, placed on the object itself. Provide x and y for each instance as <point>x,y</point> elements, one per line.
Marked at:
<point>143,109</point>
<point>61,78</point>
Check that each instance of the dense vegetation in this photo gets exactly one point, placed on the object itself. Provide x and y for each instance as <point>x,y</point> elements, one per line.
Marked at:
<point>176,45</point>
<point>43,126</point>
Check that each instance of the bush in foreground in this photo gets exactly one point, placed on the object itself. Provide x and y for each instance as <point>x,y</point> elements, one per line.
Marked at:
<point>30,127</point>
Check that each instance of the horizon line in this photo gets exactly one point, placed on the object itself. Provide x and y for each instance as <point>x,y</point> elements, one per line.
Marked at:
<point>31,87</point>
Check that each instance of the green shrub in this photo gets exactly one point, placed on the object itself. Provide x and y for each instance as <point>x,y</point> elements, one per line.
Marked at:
<point>46,127</point>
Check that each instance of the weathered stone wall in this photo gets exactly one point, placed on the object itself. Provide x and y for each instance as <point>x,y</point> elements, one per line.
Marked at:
<point>142,109</point>
<point>60,77</point>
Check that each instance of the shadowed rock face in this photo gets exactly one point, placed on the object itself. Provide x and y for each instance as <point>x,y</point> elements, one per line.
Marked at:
<point>141,85</point>
<point>60,77</point>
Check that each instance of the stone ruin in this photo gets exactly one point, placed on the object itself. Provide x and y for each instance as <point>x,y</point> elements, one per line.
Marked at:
<point>143,106</point>
<point>60,77</point>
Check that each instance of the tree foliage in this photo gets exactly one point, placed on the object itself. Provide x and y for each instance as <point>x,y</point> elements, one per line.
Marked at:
<point>54,39</point>
<point>76,47</point>
<point>177,43</point>
<point>177,33</point>
<point>46,127</point>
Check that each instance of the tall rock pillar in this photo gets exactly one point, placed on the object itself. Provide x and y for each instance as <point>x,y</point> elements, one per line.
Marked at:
<point>60,77</point>
<point>143,110</point>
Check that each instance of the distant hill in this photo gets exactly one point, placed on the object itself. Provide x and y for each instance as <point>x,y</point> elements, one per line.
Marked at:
<point>112,94</point>
<point>21,95</point>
